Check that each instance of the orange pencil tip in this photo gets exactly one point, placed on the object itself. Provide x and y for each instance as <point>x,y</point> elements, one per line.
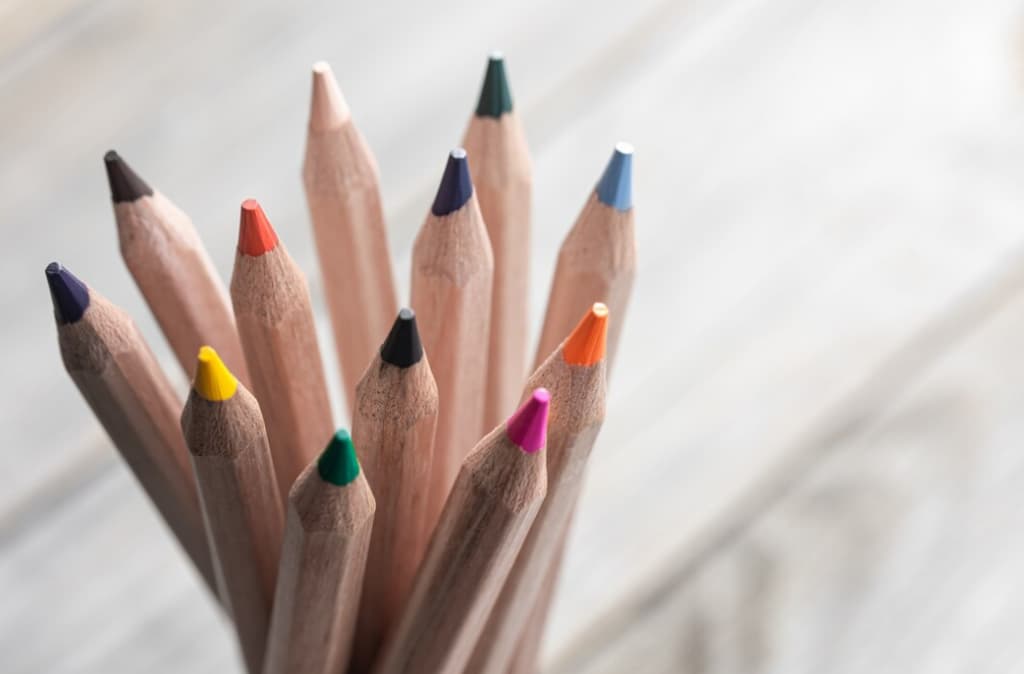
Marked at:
<point>255,235</point>
<point>586,345</point>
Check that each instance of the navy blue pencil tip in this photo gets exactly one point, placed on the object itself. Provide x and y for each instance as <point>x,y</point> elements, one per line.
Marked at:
<point>615,188</point>
<point>456,187</point>
<point>70,296</point>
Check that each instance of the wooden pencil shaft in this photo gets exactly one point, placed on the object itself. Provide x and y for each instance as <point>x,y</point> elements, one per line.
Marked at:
<point>577,412</point>
<point>323,557</point>
<point>275,322</point>
<point>452,271</point>
<point>526,656</point>
<point>172,269</point>
<point>118,376</point>
<point>343,195</point>
<point>393,430</point>
<point>596,263</point>
<point>501,173</point>
<point>495,498</point>
<point>241,508</point>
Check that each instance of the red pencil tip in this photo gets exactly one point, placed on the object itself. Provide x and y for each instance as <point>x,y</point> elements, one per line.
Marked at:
<point>528,427</point>
<point>255,235</point>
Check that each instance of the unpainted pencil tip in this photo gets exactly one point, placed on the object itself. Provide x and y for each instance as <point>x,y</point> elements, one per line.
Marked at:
<point>69,295</point>
<point>456,186</point>
<point>528,427</point>
<point>615,188</point>
<point>328,109</point>
<point>255,235</point>
<point>125,184</point>
<point>495,94</point>
<point>213,380</point>
<point>338,463</point>
<point>586,344</point>
<point>403,348</point>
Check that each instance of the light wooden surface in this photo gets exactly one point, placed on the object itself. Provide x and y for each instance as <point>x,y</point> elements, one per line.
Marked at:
<point>817,182</point>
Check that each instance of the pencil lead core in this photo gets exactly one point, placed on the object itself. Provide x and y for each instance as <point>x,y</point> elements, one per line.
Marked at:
<point>586,344</point>
<point>213,381</point>
<point>338,463</point>
<point>403,348</point>
<point>528,427</point>
<point>456,187</point>
<point>615,188</point>
<point>69,295</point>
<point>125,184</point>
<point>495,96</point>
<point>255,235</point>
<point>327,109</point>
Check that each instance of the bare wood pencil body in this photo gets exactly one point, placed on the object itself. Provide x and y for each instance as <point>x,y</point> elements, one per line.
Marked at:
<point>226,437</point>
<point>452,271</point>
<point>115,371</point>
<point>172,269</point>
<point>343,194</point>
<point>575,376</point>
<point>393,429</point>
<point>495,498</point>
<point>502,177</point>
<point>327,536</point>
<point>275,321</point>
<point>597,260</point>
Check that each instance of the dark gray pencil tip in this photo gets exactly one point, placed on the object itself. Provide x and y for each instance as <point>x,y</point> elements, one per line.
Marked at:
<point>125,184</point>
<point>403,348</point>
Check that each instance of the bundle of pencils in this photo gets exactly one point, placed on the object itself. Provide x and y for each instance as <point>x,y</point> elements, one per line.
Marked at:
<point>429,538</point>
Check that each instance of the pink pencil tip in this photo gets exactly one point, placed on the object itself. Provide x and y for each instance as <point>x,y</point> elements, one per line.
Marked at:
<point>528,427</point>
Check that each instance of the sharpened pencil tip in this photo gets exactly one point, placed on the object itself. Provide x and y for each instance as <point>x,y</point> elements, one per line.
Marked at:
<point>456,187</point>
<point>586,344</point>
<point>327,109</point>
<point>213,380</point>
<point>255,235</point>
<point>615,188</point>
<point>403,348</point>
<point>528,427</point>
<point>338,463</point>
<point>495,95</point>
<point>70,296</point>
<point>125,184</point>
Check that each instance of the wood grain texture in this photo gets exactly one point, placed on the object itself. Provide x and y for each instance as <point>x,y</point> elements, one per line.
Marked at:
<point>326,538</point>
<point>172,269</point>
<point>275,322</point>
<point>115,371</point>
<point>485,520</point>
<point>343,194</point>
<point>393,432</point>
<point>499,161</point>
<point>241,508</point>
<point>452,272</point>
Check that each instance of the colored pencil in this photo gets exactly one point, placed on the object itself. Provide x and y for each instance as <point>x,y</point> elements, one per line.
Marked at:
<point>165,256</point>
<point>326,538</point>
<point>497,495</point>
<point>113,368</point>
<point>502,177</point>
<point>452,268</point>
<point>275,322</point>
<point>231,459</point>
<point>575,375</point>
<point>394,424</point>
<point>343,194</point>
<point>597,260</point>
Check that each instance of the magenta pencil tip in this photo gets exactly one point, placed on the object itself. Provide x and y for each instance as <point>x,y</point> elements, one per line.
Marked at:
<point>528,427</point>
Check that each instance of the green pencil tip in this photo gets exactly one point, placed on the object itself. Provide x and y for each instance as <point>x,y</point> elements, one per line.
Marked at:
<point>495,97</point>
<point>338,464</point>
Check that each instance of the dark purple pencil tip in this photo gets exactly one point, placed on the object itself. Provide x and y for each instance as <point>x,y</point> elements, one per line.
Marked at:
<point>456,188</point>
<point>403,348</point>
<point>70,296</point>
<point>125,184</point>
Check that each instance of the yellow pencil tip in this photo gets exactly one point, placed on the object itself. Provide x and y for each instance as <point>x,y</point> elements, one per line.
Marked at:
<point>213,381</point>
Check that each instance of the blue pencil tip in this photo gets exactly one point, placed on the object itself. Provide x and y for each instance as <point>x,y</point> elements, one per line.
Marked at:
<point>615,188</point>
<point>70,296</point>
<point>456,188</point>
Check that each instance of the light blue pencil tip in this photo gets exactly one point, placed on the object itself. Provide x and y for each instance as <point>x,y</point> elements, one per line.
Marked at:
<point>615,188</point>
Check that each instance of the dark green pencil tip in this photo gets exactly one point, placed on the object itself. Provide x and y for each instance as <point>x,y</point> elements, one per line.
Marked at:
<point>338,464</point>
<point>495,97</point>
